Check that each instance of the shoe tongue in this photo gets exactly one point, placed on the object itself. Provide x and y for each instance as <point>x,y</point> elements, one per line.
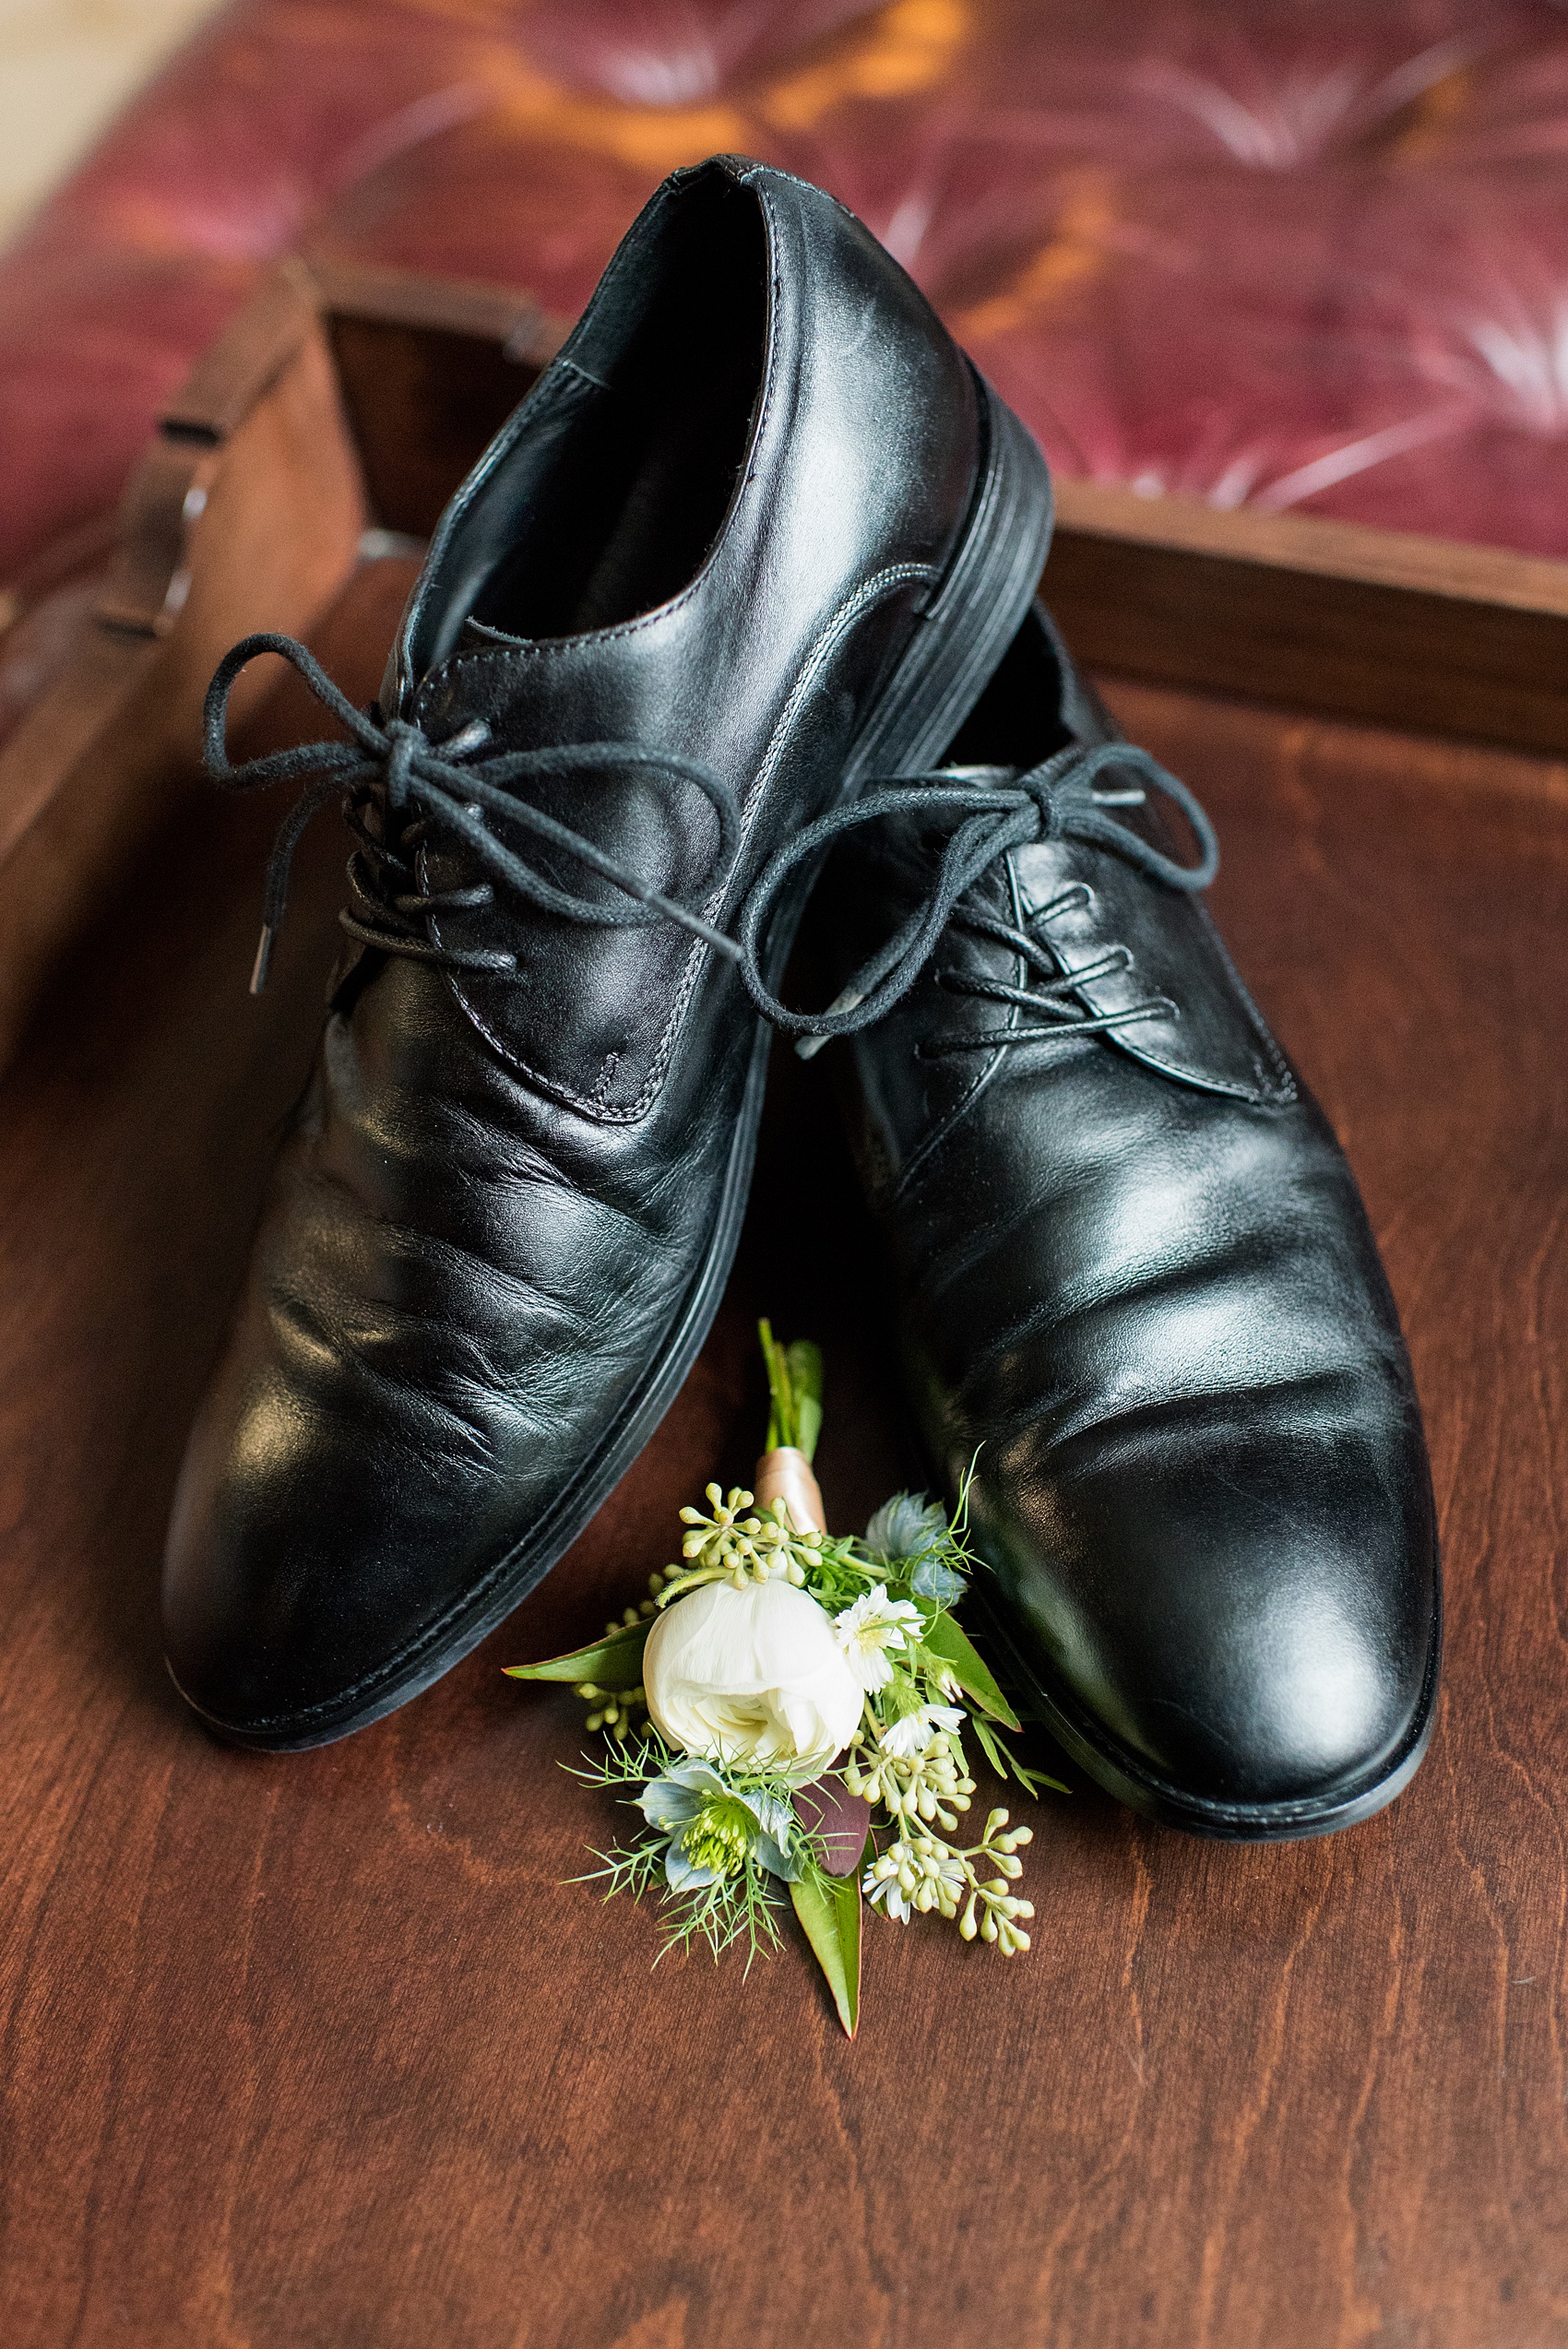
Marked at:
<point>590,1009</point>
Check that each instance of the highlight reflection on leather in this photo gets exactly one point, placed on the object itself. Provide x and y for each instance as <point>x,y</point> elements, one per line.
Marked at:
<point>1132,1272</point>
<point>500,1228</point>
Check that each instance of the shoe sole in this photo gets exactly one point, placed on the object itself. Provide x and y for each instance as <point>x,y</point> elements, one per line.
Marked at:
<point>990,582</point>
<point>1122,1773</point>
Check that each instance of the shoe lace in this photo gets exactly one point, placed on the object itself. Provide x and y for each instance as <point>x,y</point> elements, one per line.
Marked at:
<point>999,810</point>
<point>397,786</point>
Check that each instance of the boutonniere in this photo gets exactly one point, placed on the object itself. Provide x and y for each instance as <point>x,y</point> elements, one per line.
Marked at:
<point>787,1712</point>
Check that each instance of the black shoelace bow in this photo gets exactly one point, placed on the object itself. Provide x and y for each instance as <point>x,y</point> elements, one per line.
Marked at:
<point>999,810</point>
<point>396,785</point>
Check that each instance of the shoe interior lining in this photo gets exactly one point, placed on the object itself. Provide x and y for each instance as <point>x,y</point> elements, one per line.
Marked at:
<point>1020,718</point>
<point>612,507</point>
<point>1035,705</point>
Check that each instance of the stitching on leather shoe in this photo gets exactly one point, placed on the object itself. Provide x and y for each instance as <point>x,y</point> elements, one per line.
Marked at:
<point>865,598</point>
<point>861,599</point>
<point>1289,1089</point>
<point>931,1146</point>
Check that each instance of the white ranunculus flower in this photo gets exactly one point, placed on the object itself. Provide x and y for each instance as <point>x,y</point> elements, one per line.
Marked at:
<point>753,1675</point>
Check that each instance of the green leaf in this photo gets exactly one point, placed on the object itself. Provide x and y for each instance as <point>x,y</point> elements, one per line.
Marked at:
<point>989,1745</point>
<point>942,1639</point>
<point>782,1413</point>
<point>794,1390</point>
<point>1007,1765</point>
<point>804,1362</point>
<point>613,1662</point>
<point>829,1911</point>
<point>778,1413</point>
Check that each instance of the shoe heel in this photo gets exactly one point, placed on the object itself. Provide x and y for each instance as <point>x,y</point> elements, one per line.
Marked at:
<point>972,618</point>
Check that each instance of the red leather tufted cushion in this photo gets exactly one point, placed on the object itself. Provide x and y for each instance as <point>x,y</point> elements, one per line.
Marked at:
<point>1302,252</point>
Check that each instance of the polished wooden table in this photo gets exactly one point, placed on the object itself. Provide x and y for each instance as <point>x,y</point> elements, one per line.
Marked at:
<point>325,2050</point>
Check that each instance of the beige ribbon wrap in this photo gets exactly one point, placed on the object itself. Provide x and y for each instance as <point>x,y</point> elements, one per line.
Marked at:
<point>786,1474</point>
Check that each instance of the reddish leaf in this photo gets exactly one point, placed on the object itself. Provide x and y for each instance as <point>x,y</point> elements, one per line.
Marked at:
<point>838,1823</point>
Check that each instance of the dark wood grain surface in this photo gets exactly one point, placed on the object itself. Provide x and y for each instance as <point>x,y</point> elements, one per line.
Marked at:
<point>323,2051</point>
<point>1318,614</point>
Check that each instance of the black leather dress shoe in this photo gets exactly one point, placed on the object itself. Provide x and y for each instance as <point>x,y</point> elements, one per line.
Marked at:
<point>758,532</point>
<point>1132,1273</point>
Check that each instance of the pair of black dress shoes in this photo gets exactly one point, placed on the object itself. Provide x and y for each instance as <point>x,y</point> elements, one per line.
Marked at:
<point>743,596</point>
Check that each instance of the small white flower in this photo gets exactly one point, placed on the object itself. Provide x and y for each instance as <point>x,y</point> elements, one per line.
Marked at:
<point>869,1629</point>
<point>912,1735</point>
<point>886,1889</point>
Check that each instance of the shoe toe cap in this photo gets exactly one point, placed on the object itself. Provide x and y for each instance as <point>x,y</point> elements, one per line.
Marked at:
<point>313,1553</point>
<point>1250,1623</point>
